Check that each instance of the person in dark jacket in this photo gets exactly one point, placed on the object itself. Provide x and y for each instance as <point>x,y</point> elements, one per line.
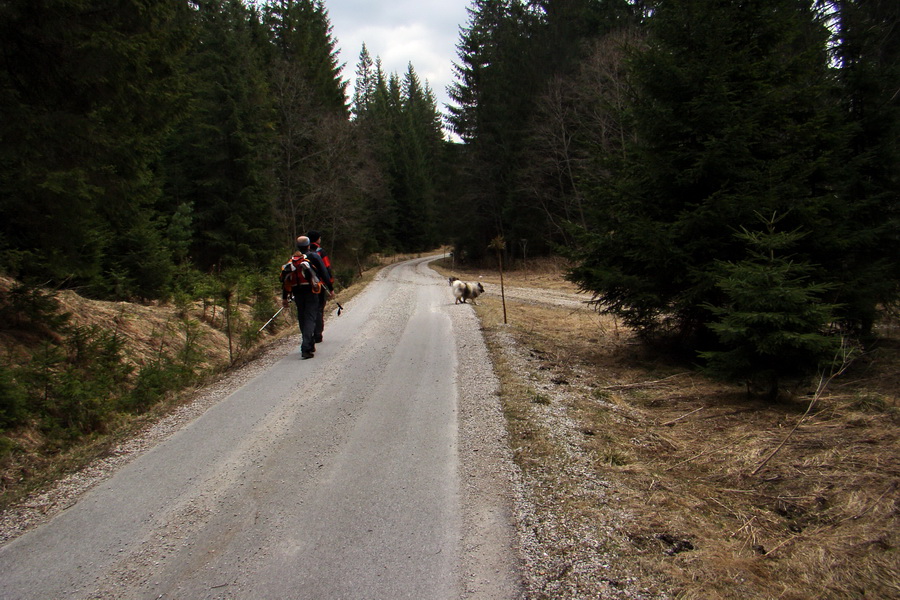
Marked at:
<point>317,250</point>
<point>304,269</point>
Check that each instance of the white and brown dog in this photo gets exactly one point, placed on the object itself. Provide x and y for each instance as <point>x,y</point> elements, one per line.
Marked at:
<point>463,290</point>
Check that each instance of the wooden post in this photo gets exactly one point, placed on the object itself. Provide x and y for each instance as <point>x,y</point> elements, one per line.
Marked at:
<point>524,258</point>
<point>498,244</point>
<point>228,292</point>
<point>358,264</point>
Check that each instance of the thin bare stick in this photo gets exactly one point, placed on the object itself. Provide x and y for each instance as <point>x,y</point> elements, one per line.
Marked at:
<point>728,510</point>
<point>628,386</point>
<point>846,355</point>
<point>687,460</point>
<point>696,456</point>
<point>744,526</point>
<point>682,416</point>
<point>781,545</point>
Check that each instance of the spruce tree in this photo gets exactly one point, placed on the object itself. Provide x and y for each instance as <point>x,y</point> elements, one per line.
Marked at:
<point>773,323</point>
<point>867,50</point>
<point>420,139</point>
<point>578,128</point>
<point>311,118</point>
<point>493,97</point>
<point>374,132</point>
<point>403,129</point>
<point>216,158</point>
<point>732,115</point>
<point>88,89</point>
<point>565,25</point>
<point>302,35</point>
<point>512,57</point>
<point>366,81</point>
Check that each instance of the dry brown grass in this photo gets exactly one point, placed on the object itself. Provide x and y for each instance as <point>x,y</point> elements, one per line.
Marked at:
<point>677,452</point>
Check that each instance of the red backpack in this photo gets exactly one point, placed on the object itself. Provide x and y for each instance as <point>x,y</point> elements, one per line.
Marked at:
<point>292,273</point>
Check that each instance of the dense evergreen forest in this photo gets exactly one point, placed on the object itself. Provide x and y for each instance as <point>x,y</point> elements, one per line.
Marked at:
<point>723,175</point>
<point>144,140</point>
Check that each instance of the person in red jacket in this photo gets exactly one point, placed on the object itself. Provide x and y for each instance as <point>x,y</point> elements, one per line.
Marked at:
<point>314,238</point>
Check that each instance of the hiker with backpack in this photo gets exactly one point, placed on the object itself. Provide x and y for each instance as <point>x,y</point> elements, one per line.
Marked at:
<point>317,251</point>
<point>303,280</point>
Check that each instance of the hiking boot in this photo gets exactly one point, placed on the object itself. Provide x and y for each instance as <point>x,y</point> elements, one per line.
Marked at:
<point>306,355</point>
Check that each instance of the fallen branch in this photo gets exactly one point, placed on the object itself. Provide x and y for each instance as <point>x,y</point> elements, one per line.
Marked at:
<point>687,460</point>
<point>628,386</point>
<point>696,456</point>
<point>782,545</point>
<point>682,417</point>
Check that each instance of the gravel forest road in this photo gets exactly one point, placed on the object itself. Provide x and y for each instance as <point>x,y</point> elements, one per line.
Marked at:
<point>375,470</point>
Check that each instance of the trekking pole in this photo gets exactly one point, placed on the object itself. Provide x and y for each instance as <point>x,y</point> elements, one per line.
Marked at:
<point>270,320</point>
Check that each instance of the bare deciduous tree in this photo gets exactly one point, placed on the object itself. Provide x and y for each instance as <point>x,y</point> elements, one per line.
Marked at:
<point>580,124</point>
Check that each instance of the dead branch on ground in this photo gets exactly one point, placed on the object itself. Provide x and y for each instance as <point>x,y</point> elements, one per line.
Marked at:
<point>673,421</point>
<point>643,384</point>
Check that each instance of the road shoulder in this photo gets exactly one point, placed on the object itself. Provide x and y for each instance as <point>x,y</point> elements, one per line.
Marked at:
<point>491,556</point>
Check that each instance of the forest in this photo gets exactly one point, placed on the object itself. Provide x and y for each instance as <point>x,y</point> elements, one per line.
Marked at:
<point>146,139</point>
<point>721,176</point>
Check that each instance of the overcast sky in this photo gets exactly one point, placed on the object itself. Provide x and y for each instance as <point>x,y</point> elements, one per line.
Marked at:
<point>422,32</point>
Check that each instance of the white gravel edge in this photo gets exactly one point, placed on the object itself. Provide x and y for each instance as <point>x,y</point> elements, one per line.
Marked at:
<point>490,483</point>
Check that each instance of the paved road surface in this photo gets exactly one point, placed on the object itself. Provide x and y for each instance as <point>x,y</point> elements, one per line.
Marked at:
<point>351,491</point>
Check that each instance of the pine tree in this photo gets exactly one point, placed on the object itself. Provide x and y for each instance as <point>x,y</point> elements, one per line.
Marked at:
<point>374,134</point>
<point>311,119</point>
<point>733,115</point>
<point>513,56</point>
<point>579,125</point>
<point>302,34</point>
<point>493,98</point>
<point>773,324</point>
<point>366,82</point>
<point>420,139</point>
<point>867,48</point>
<point>88,88</point>
<point>565,25</point>
<point>216,158</point>
<point>403,127</point>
